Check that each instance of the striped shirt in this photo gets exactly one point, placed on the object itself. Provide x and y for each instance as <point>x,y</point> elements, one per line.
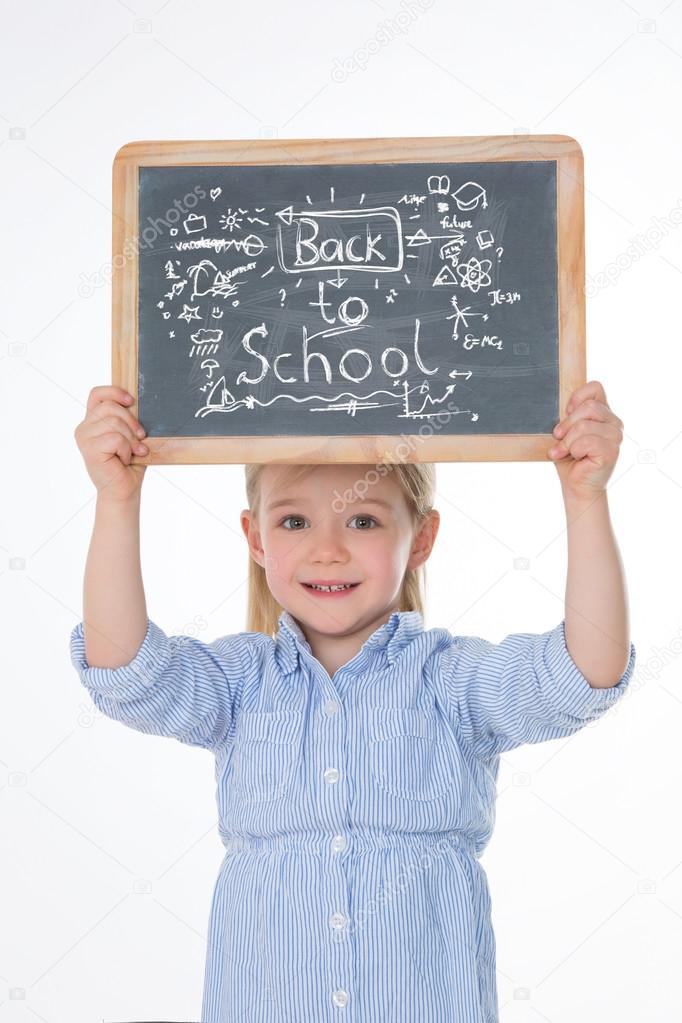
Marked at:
<point>353,809</point>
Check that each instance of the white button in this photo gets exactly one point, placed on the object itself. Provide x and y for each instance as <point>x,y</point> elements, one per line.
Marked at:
<point>338,920</point>
<point>339,843</point>
<point>331,775</point>
<point>331,707</point>
<point>340,998</point>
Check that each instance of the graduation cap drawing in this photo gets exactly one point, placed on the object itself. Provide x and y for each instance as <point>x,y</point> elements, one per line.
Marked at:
<point>469,195</point>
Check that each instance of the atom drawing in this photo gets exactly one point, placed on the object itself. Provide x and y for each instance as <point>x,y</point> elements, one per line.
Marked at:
<point>474,274</point>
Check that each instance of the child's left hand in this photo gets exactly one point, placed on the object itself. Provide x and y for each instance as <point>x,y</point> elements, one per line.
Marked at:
<point>588,440</point>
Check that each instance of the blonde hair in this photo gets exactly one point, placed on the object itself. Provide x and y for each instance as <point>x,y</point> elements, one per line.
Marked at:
<point>418,484</point>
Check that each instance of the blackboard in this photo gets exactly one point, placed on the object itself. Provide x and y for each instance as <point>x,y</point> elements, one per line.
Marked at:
<point>351,300</point>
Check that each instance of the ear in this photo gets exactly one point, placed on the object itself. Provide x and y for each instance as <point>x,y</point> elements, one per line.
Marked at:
<point>424,540</point>
<point>250,528</point>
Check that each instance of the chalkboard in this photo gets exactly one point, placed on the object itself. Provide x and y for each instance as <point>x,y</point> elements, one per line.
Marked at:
<point>311,299</point>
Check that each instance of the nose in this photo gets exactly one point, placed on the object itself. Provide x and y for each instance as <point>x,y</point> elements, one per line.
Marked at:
<point>327,543</point>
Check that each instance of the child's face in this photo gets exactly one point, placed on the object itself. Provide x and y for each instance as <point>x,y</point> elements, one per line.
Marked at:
<point>329,528</point>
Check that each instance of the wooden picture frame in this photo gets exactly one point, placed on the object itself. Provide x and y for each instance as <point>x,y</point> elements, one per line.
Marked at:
<point>562,149</point>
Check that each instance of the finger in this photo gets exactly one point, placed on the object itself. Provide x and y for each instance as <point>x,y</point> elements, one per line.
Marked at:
<point>105,425</point>
<point>105,393</point>
<point>598,449</point>
<point>591,409</point>
<point>592,389</point>
<point>587,430</point>
<point>112,408</point>
<point>113,443</point>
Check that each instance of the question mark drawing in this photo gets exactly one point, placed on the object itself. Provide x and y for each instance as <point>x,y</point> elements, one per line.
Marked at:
<point>499,250</point>
<point>283,294</point>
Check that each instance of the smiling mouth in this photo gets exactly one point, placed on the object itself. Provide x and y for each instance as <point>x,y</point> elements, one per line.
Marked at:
<point>336,588</point>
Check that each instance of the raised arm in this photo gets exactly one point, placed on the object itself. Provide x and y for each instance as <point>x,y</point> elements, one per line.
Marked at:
<point>597,621</point>
<point>530,688</point>
<point>165,685</point>
<point>596,613</point>
<point>114,605</point>
<point>114,608</point>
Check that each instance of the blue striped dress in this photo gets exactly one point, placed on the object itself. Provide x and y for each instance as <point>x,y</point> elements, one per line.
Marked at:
<point>353,809</point>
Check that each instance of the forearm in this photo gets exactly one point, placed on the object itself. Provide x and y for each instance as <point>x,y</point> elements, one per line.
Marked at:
<point>596,614</point>
<point>114,606</point>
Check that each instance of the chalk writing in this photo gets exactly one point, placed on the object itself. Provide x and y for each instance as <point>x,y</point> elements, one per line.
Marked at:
<point>305,305</point>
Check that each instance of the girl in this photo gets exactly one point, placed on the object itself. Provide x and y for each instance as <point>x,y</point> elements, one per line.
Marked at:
<point>356,751</point>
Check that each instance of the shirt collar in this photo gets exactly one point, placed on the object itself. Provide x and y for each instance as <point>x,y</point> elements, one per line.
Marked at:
<point>395,634</point>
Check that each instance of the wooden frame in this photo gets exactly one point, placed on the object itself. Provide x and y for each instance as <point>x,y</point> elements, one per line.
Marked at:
<point>562,149</point>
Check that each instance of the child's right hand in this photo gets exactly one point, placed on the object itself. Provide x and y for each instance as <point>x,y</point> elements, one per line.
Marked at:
<point>107,439</point>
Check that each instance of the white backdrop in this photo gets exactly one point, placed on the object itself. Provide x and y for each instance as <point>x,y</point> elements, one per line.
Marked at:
<point>109,847</point>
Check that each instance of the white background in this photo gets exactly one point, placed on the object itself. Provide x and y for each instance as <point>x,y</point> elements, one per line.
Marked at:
<point>108,842</point>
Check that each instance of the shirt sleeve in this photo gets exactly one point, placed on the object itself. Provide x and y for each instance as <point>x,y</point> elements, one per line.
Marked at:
<point>526,689</point>
<point>175,686</point>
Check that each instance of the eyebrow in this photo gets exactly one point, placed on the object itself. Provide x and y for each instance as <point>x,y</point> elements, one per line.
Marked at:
<point>302,500</point>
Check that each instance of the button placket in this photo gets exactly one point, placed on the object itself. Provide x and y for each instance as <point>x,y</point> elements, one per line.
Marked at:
<point>333,764</point>
<point>341,959</point>
<point>330,709</point>
<point>340,945</point>
<point>341,963</point>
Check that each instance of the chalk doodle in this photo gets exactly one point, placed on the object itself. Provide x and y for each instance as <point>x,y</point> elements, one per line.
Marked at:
<point>302,303</point>
<point>460,315</point>
<point>189,313</point>
<point>176,289</point>
<point>469,195</point>
<point>194,223</point>
<point>232,220</point>
<point>474,275</point>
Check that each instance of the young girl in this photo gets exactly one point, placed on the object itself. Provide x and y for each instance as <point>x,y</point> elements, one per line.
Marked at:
<point>356,751</point>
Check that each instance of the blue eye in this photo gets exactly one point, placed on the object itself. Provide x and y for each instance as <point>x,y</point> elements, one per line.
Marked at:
<point>286,519</point>
<point>369,518</point>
